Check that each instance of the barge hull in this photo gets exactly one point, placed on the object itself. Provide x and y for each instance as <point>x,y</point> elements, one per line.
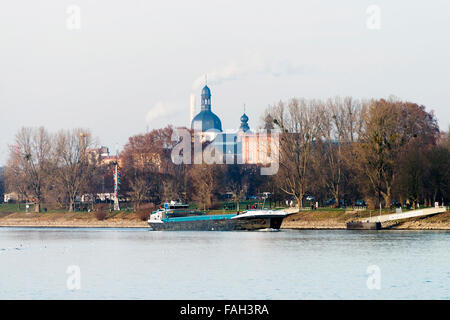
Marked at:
<point>218,225</point>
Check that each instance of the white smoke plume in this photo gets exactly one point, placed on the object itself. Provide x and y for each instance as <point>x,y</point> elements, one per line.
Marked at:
<point>158,110</point>
<point>249,65</point>
<point>164,112</point>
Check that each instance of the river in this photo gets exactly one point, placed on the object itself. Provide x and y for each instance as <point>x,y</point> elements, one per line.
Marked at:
<point>77,263</point>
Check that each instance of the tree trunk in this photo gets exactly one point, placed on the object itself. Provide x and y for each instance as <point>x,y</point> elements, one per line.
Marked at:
<point>387,197</point>
<point>300,202</point>
<point>136,205</point>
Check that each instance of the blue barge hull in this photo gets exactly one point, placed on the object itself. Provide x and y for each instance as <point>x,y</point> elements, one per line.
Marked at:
<point>215,223</point>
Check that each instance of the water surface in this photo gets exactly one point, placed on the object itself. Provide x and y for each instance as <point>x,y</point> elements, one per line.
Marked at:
<point>290,264</point>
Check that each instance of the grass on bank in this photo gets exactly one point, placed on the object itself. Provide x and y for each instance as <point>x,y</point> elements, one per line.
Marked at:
<point>13,211</point>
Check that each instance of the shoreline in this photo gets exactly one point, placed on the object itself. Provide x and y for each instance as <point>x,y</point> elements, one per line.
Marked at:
<point>112,226</point>
<point>74,226</point>
<point>309,220</point>
<point>328,220</point>
<point>71,220</point>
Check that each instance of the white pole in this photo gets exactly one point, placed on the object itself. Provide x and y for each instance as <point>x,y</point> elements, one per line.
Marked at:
<point>116,188</point>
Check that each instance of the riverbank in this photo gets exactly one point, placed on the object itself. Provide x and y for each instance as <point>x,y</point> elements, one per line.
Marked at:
<point>320,219</point>
<point>338,219</point>
<point>71,219</point>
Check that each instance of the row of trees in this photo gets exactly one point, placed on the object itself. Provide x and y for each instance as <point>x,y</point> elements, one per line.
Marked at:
<point>55,168</point>
<point>381,151</point>
<point>2,184</point>
<point>378,150</point>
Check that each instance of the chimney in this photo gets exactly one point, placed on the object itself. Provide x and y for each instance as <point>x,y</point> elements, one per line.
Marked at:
<point>192,108</point>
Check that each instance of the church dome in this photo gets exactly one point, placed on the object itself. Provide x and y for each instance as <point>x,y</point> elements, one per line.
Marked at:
<point>206,120</point>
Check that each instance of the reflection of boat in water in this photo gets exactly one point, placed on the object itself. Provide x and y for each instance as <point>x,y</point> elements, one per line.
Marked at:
<point>363,225</point>
<point>163,219</point>
<point>268,230</point>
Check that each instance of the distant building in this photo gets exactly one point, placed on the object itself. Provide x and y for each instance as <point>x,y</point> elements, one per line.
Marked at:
<point>110,159</point>
<point>10,197</point>
<point>102,155</point>
<point>256,148</point>
<point>243,145</point>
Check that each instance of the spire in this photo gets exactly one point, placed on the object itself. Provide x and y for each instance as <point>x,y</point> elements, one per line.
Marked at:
<point>268,121</point>
<point>244,122</point>
<point>206,98</point>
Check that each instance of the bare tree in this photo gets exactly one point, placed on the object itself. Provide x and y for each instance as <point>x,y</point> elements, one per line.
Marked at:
<point>140,189</point>
<point>74,168</point>
<point>338,127</point>
<point>146,159</point>
<point>299,124</point>
<point>202,182</point>
<point>2,183</point>
<point>391,127</point>
<point>236,179</point>
<point>29,164</point>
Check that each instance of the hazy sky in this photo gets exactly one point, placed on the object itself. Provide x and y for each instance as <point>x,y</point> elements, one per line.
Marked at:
<point>135,63</point>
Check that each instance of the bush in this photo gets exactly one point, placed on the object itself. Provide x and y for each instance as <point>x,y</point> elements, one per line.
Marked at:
<point>143,215</point>
<point>147,206</point>
<point>216,205</point>
<point>100,215</point>
<point>145,210</point>
<point>101,211</point>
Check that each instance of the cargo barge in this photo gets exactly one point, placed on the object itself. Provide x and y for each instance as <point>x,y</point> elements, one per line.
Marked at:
<point>162,220</point>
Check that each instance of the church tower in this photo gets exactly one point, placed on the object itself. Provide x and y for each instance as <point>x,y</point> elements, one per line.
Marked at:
<point>206,99</point>
<point>206,120</point>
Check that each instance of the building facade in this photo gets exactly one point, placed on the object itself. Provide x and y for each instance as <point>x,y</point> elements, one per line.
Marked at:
<point>241,146</point>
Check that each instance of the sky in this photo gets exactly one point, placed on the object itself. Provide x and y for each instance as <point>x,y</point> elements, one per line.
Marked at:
<point>122,67</point>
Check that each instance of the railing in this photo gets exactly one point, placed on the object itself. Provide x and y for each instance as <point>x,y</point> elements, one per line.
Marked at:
<point>406,214</point>
<point>202,218</point>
